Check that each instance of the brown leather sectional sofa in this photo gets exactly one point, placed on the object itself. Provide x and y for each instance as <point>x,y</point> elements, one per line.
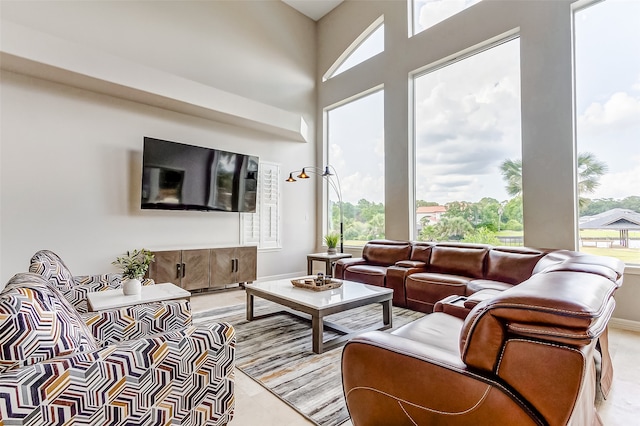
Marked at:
<point>421,274</point>
<point>520,349</point>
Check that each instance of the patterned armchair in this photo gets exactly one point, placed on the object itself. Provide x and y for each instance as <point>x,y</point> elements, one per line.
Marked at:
<point>113,326</point>
<point>52,371</point>
<point>74,288</point>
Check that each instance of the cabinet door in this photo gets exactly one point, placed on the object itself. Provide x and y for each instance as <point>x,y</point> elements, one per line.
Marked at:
<point>247,264</point>
<point>195,269</point>
<point>222,267</point>
<point>165,268</point>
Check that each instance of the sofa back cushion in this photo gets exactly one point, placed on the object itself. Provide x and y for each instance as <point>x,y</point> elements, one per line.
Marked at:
<point>49,265</point>
<point>37,323</point>
<point>421,252</point>
<point>511,265</point>
<point>386,252</point>
<point>458,259</point>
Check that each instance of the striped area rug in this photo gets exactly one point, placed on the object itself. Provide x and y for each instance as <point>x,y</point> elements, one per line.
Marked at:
<point>276,352</point>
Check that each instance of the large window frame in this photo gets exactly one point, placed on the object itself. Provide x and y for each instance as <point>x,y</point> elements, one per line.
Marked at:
<point>504,204</point>
<point>345,178</point>
<point>608,215</point>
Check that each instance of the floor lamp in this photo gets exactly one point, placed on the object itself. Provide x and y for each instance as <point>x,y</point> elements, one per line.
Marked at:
<point>330,174</point>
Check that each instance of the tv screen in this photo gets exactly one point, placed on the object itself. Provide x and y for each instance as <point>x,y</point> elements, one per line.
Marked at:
<point>177,176</point>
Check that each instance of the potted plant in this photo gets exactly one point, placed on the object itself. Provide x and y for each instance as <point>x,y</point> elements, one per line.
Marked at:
<point>134,265</point>
<point>332,241</point>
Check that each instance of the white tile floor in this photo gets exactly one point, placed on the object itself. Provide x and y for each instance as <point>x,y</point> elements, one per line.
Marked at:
<point>257,406</point>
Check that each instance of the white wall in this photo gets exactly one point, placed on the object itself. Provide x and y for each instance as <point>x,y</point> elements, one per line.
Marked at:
<point>545,30</point>
<point>71,158</point>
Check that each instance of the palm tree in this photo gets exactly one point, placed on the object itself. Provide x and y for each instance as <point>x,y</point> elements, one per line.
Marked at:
<point>589,172</point>
<point>512,173</point>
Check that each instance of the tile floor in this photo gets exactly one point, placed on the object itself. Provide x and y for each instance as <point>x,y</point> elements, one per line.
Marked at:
<point>256,405</point>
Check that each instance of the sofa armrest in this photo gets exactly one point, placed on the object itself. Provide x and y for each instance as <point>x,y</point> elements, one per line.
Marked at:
<point>343,264</point>
<point>380,372</point>
<point>182,377</point>
<point>135,322</point>
<point>396,276</point>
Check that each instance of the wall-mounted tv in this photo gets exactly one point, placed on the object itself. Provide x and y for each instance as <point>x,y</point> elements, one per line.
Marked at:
<point>176,176</point>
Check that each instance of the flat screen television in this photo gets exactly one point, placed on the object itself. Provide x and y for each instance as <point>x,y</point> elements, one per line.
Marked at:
<point>176,176</point>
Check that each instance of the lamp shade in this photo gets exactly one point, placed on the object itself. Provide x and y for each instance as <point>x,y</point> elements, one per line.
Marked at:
<point>303,175</point>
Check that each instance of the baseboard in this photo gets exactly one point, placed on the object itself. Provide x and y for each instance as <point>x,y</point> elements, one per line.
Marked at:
<point>625,324</point>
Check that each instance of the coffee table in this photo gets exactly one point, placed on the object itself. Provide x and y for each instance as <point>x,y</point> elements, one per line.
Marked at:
<point>318,304</point>
<point>112,299</point>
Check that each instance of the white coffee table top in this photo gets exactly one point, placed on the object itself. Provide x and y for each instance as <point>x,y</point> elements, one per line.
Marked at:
<point>348,292</point>
<point>111,299</point>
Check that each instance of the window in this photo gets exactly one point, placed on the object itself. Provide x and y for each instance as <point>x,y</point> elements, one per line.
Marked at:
<point>427,13</point>
<point>607,78</point>
<point>355,140</point>
<point>369,44</point>
<point>468,173</point>
<point>262,228</point>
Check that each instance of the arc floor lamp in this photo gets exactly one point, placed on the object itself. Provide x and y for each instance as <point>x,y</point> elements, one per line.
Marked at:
<point>330,174</point>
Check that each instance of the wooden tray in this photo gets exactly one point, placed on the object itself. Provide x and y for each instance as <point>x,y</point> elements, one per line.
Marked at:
<point>329,284</point>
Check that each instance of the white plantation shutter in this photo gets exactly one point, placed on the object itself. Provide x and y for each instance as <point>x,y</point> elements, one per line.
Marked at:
<point>262,228</point>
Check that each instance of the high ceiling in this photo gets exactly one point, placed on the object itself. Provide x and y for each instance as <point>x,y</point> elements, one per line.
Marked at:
<point>314,9</point>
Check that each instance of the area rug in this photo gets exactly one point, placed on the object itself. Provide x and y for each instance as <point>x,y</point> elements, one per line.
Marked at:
<point>276,352</point>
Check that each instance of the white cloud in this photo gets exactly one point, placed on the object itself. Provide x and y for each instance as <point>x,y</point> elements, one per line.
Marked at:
<point>636,85</point>
<point>369,187</point>
<point>619,184</point>
<point>621,109</point>
<point>468,122</point>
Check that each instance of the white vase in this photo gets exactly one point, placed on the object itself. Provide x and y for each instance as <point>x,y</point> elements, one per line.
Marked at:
<point>131,286</point>
<point>331,250</point>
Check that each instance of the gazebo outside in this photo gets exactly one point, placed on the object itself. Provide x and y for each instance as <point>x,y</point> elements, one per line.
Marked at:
<point>623,220</point>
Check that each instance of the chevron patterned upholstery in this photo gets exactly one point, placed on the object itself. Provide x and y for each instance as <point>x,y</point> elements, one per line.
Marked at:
<point>134,322</point>
<point>74,288</point>
<point>52,371</point>
<point>37,323</point>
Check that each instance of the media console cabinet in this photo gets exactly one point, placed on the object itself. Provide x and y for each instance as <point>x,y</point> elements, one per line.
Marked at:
<point>203,269</point>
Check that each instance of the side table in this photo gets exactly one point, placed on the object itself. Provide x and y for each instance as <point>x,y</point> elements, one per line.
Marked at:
<point>328,259</point>
<point>114,299</point>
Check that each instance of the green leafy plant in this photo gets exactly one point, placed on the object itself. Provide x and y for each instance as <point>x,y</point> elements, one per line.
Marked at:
<point>134,264</point>
<point>331,240</point>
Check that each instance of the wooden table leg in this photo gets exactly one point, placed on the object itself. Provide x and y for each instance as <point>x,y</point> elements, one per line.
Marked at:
<point>317,329</point>
<point>309,266</point>
<point>249,306</point>
<point>386,314</point>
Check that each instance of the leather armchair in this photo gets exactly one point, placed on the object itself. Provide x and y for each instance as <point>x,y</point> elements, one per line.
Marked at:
<point>525,356</point>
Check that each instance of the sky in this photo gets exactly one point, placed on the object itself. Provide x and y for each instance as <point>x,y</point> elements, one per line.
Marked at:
<point>468,114</point>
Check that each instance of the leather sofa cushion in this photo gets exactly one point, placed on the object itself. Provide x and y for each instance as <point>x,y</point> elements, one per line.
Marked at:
<point>467,260</point>
<point>424,289</point>
<point>37,323</point>
<point>479,285</point>
<point>367,274</point>
<point>386,253</point>
<point>511,265</point>
<point>438,330</point>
